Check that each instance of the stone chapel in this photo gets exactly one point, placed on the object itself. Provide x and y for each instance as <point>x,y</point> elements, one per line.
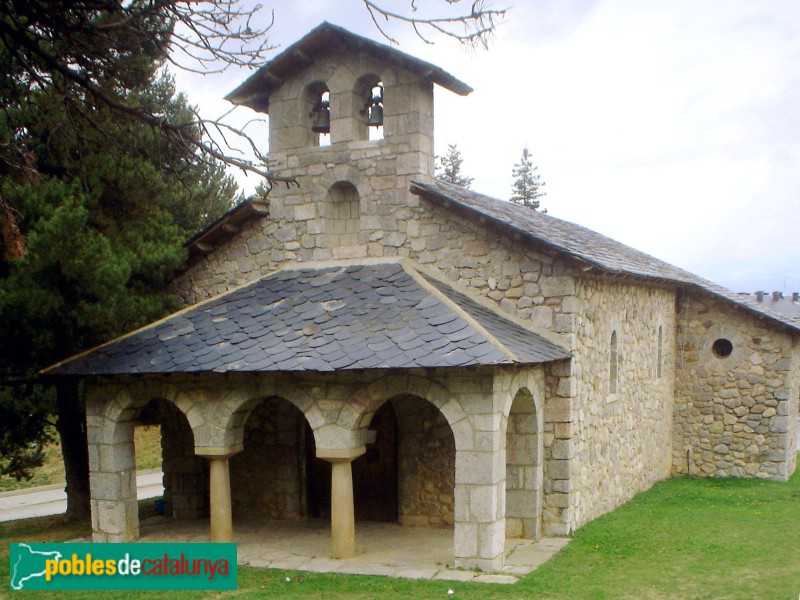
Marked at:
<point>372,344</point>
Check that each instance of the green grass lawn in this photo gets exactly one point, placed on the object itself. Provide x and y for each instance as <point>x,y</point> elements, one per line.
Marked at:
<point>685,538</point>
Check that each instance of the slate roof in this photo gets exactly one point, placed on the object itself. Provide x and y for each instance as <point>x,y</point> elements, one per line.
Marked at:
<point>324,38</point>
<point>585,245</point>
<point>322,319</point>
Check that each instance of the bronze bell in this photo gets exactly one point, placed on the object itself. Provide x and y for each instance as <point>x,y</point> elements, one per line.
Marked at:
<point>375,115</point>
<point>322,119</point>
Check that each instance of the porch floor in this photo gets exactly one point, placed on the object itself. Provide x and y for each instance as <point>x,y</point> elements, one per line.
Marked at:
<point>381,548</point>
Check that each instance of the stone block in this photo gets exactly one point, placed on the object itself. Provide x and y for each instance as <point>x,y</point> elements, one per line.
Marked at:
<point>116,457</point>
<point>491,541</point>
<point>483,504</point>
<point>566,324</point>
<point>557,469</point>
<point>542,317</point>
<point>557,286</point>
<point>477,468</point>
<point>779,424</point>
<point>572,305</point>
<point>558,410</point>
<point>563,449</point>
<point>465,540</point>
<point>111,517</point>
<point>567,387</point>
<point>304,212</point>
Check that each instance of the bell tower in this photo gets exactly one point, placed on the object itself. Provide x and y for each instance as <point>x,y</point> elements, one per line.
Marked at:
<point>352,121</point>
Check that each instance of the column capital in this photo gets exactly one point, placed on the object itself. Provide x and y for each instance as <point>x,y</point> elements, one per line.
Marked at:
<point>212,452</point>
<point>338,455</point>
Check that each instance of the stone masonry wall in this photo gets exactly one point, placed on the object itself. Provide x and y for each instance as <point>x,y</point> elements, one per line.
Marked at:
<point>735,415</point>
<point>427,465</point>
<point>621,442</point>
<point>266,476</point>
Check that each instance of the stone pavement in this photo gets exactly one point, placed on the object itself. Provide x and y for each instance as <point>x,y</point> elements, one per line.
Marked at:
<point>381,549</point>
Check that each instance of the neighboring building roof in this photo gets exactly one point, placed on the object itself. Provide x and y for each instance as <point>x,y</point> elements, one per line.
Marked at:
<point>256,90</point>
<point>361,316</point>
<point>226,226</point>
<point>582,244</point>
<point>776,302</point>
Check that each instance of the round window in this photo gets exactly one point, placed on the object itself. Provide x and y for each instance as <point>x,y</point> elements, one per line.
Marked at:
<point>722,348</point>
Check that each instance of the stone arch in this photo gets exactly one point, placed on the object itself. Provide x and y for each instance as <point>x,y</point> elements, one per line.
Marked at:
<point>361,407</point>
<point>524,466</point>
<point>123,410</point>
<point>240,408</point>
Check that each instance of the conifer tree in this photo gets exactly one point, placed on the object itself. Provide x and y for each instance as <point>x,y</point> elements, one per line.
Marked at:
<point>527,187</point>
<point>448,168</point>
<point>102,214</point>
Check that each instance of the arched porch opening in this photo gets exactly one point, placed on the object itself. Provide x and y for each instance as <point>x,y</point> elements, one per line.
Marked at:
<point>268,477</point>
<point>185,475</point>
<point>523,468</point>
<point>113,468</point>
<point>414,451</point>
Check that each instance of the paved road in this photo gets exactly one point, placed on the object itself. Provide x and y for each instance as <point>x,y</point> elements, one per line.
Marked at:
<point>52,500</point>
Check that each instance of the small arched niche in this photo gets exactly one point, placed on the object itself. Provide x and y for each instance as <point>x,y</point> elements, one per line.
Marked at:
<point>368,95</point>
<point>317,113</point>
<point>342,215</point>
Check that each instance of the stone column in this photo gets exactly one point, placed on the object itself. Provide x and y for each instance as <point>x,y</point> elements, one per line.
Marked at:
<point>480,507</point>
<point>343,530</point>
<point>112,479</point>
<point>221,517</point>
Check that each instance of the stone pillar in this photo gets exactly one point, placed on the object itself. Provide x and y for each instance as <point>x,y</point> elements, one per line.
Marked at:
<point>112,479</point>
<point>480,507</point>
<point>343,530</point>
<point>221,514</point>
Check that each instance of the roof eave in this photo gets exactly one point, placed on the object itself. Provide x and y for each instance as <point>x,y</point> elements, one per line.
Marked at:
<point>255,90</point>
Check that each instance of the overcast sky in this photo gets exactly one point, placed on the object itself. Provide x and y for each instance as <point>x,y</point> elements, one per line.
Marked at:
<point>673,127</point>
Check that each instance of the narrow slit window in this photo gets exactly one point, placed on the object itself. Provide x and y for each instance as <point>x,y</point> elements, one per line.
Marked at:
<point>660,363</point>
<point>613,364</point>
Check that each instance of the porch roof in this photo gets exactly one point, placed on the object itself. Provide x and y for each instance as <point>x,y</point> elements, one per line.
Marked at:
<point>324,318</point>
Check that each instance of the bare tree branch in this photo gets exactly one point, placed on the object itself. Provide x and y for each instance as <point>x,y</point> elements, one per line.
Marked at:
<point>473,29</point>
<point>85,49</point>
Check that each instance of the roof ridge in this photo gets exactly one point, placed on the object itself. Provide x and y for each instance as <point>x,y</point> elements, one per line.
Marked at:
<point>473,322</point>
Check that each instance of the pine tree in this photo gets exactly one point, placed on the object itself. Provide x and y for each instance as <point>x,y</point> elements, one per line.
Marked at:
<point>527,187</point>
<point>102,213</point>
<point>448,168</point>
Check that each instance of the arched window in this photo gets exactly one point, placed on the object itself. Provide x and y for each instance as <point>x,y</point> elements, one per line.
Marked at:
<point>342,222</point>
<point>319,113</point>
<point>660,363</point>
<point>368,94</point>
<point>613,364</point>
